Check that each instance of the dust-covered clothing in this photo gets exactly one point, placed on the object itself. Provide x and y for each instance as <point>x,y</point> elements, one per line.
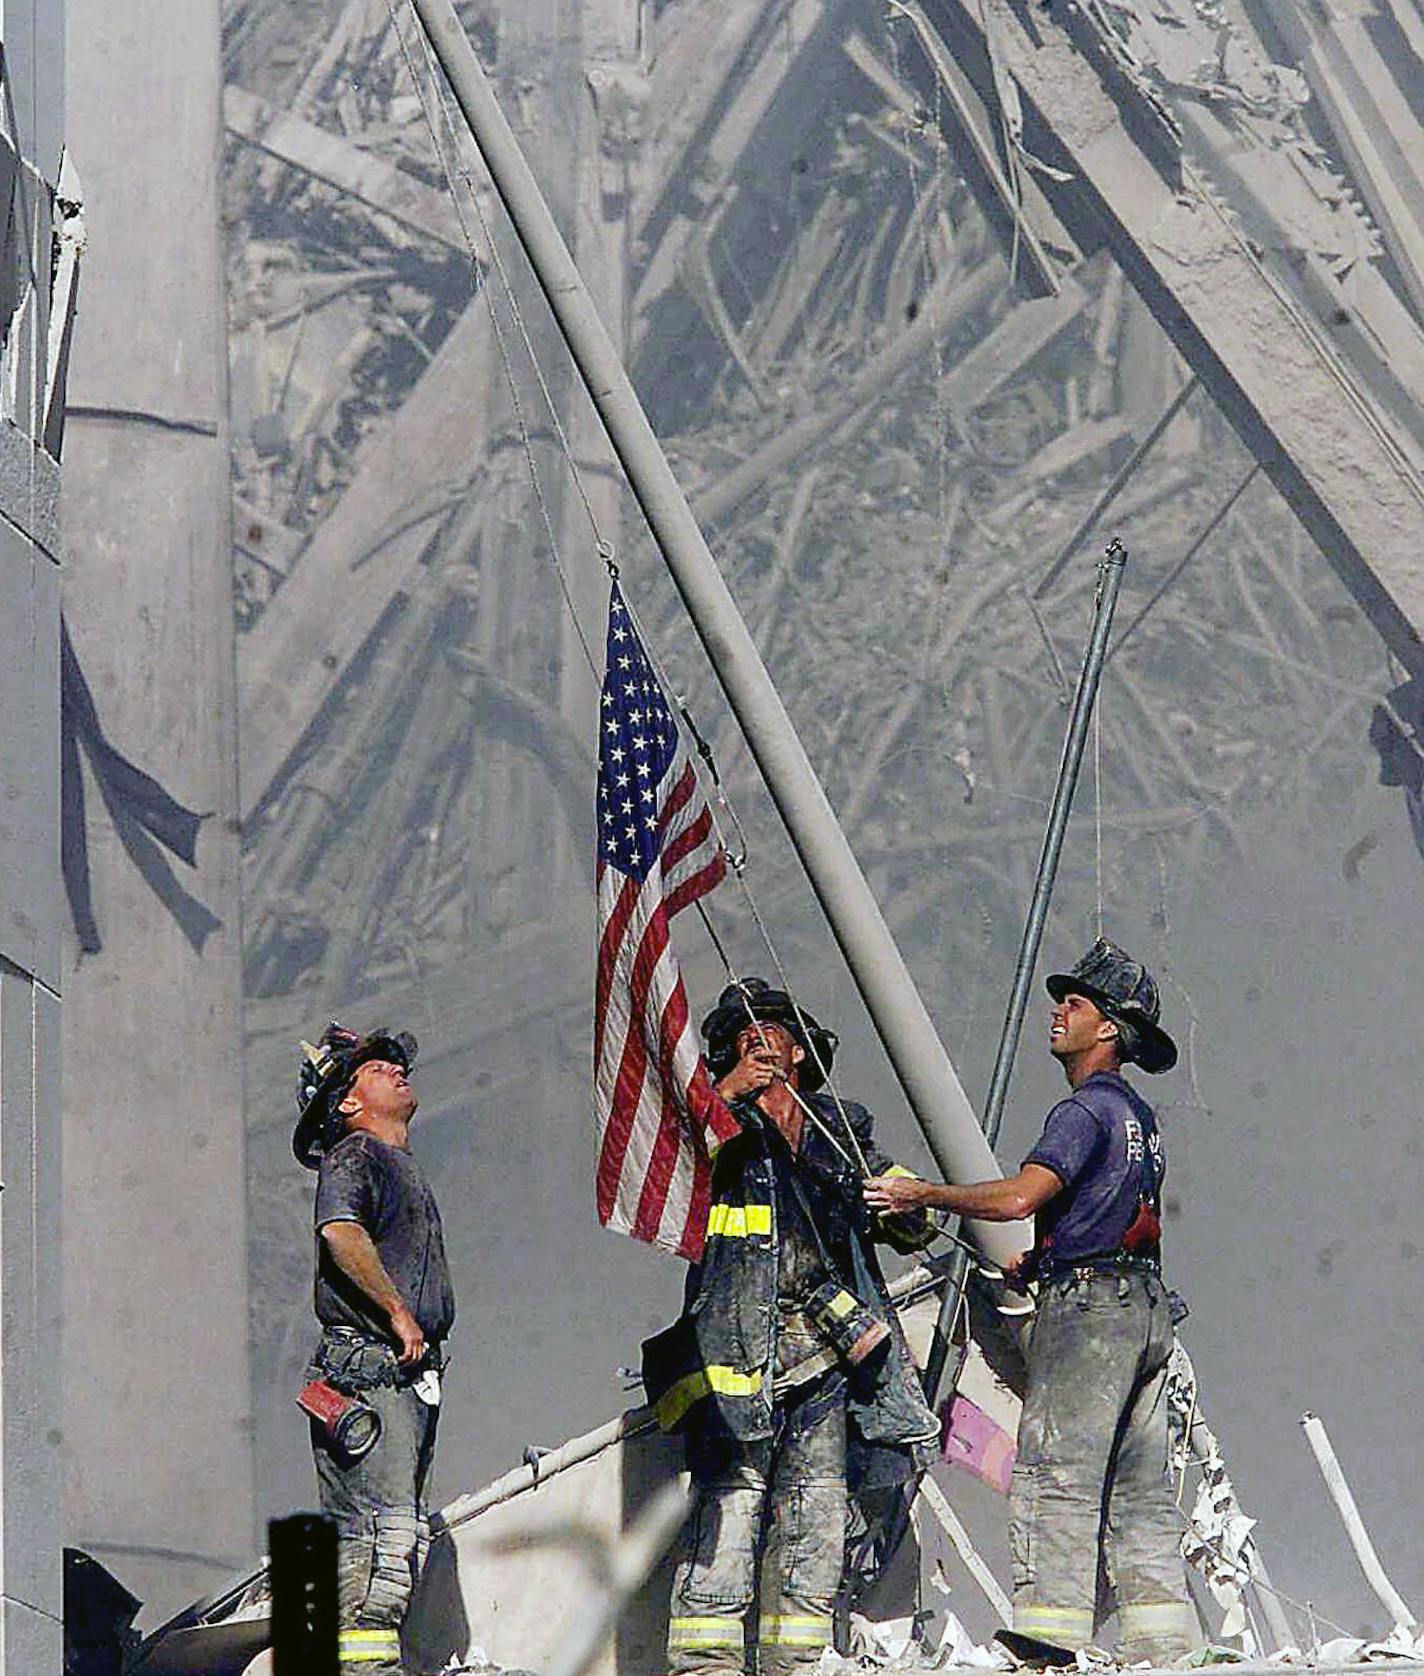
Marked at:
<point>378,1502</point>
<point>792,1487</point>
<point>720,1356</point>
<point>1091,1478</point>
<point>770,1464</point>
<point>1103,1144</point>
<point>1091,1473</point>
<point>384,1189</point>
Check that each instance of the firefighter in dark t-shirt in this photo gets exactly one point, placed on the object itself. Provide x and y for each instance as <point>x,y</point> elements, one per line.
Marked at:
<point>1091,1479</point>
<point>385,1304</point>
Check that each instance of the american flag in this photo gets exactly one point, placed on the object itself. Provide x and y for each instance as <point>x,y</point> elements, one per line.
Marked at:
<point>659,1117</point>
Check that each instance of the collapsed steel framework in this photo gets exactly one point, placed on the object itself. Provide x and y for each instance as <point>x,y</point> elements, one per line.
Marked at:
<point>911,298</point>
<point>821,318</point>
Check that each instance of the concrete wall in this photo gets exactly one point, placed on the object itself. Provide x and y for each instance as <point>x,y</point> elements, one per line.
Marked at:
<point>156,1380</point>
<point>31,1605</point>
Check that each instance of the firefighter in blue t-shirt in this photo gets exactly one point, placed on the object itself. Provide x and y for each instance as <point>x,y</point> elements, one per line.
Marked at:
<point>385,1303</point>
<point>1091,1478</point>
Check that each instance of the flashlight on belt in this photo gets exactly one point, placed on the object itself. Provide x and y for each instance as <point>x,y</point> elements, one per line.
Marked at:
<point>353,1426</point>
<point>848,1326</point>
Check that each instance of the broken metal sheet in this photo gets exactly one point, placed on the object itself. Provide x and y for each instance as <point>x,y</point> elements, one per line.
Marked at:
<point>1373,122</point>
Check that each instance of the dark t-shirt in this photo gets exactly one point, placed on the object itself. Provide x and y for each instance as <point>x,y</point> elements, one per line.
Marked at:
<point>383,1188</point>
<point>1102,1143</point>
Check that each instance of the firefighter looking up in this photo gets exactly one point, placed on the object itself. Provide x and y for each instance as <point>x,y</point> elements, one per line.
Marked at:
<point>385,1304</point>
<point>1091,1477</point>
<point>787,1348</point>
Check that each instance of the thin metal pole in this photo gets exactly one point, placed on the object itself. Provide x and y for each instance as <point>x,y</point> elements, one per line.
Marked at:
<point>1110,570</point>
<point>915,1051</point>
<point>1334,1476</point>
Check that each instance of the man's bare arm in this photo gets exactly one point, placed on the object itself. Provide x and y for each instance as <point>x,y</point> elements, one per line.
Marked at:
<point>1009,1200</point>
<point>356,1256</point>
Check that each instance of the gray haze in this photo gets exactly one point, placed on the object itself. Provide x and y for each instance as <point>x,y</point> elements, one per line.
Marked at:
<point>415,756</point>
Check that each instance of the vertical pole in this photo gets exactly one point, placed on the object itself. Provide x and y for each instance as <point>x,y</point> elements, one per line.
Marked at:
<point>899,1015</point>
<point>1110,569</point>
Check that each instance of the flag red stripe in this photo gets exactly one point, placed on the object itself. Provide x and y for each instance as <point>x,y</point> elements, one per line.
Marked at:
<point>698,885</point>
<point>694,1229</point>
<point>632,1067</point>
<point>680,794</point>
<point>608,947</point>
<point>670,1134</point>
<point>693,834</point>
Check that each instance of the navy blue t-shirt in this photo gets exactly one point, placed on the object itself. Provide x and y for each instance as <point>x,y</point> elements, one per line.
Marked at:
<point>1103,1144</point>
<point>383,1189</point>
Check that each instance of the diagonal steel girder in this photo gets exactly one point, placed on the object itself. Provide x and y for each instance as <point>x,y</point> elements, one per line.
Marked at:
<point>1265,358</point>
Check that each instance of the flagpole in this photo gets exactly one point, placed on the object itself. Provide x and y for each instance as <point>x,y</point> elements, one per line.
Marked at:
<point>1110,567</point>
<point>911,1041</point>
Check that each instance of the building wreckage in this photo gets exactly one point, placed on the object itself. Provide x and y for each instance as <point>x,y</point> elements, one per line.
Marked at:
<point>1184,243</point>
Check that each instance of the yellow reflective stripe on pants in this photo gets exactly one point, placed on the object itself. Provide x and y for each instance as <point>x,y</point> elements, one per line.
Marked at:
<point>1062,1625</point>
<point>369,1646</point>
<point>736,1222</point>
<point>727,1382</point>
<point>779,1629</point>
<point>705,1632</point>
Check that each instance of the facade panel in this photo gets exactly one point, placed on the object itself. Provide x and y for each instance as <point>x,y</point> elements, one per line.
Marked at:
<point>31,897</point>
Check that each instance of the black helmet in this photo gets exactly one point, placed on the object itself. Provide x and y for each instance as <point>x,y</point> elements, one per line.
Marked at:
<point>754,998</point>
<point>325,1076</point>
<point>1123,990</point>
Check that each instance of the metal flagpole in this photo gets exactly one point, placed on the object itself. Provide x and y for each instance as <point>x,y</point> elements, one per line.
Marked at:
<point>919,1059</point>
<point>1111,567</point>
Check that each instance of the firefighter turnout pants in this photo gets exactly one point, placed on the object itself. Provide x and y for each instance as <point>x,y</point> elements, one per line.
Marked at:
<point>782,1501</point>
<point>382,1525</point>
<point>1091,1480</point>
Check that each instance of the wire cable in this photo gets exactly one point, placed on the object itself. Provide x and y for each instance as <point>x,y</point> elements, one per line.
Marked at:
<point>501,344</point>
<point>700,753</point>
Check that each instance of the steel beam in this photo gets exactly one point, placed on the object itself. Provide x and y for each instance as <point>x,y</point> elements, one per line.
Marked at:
<point>1268,363</point>
<point>332,158</point>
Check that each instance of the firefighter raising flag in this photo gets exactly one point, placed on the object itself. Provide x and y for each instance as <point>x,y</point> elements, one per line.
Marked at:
<point>659,1117</point>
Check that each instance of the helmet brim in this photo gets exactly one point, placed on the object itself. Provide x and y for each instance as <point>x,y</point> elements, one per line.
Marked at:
<point>726,1022</point>
<point>309,1136</point>
<point>1156,1051</point>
